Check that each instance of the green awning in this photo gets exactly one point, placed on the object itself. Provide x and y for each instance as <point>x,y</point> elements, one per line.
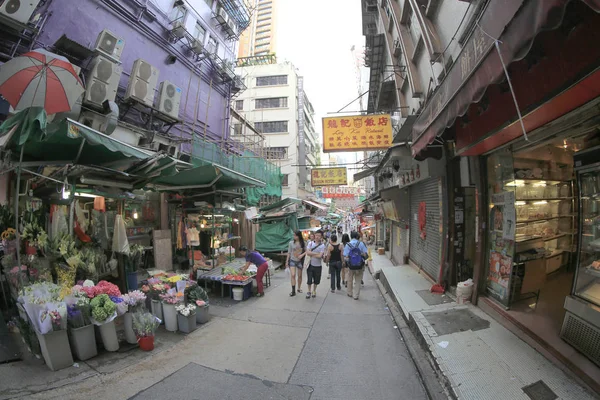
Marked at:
<point>205,176</point>
<point>281,204</point>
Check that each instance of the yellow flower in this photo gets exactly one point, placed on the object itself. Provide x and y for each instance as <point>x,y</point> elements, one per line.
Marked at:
<point>174,279</point>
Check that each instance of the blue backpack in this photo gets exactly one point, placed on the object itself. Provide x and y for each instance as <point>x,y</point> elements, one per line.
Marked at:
<point>355,258</point>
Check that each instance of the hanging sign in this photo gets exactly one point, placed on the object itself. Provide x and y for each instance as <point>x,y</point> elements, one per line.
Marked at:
<point>339,192</point>
<point>329,176</point>
<point>357,133</point>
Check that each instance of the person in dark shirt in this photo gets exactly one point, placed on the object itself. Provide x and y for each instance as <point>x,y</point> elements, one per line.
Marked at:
<point>254,257</point>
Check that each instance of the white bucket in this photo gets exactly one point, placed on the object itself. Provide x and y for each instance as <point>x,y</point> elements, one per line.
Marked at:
<point>238,294</point>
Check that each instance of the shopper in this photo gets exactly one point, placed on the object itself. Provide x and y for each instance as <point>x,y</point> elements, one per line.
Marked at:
<point>334,258</point>
<point>315,268</point>
<point>295,260</point>
<point>254,257</point>
<point>355,254</point>
<point>311,240</point>
<point>345,272</point>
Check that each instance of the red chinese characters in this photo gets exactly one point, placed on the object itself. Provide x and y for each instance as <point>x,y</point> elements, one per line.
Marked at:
<point>345,123</point>
<point>332,123</point>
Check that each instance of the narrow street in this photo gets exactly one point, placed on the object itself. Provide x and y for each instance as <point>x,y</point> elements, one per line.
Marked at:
<point>276,347</point>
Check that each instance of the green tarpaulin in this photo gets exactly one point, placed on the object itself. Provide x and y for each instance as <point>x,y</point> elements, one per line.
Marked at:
<point>274,236</point>
<point>204,175</point>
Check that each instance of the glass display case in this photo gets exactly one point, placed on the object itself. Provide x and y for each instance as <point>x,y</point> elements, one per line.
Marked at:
<point>581,326</point>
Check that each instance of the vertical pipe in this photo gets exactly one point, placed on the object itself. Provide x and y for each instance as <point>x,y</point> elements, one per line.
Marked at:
<point>17,234</point>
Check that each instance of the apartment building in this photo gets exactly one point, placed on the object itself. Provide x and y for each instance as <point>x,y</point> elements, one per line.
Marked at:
<point>259,38</point>
<point>277,106</point>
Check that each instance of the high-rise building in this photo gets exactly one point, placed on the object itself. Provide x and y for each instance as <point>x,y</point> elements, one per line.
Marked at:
<point>260,37</point>
<point>278,108</point>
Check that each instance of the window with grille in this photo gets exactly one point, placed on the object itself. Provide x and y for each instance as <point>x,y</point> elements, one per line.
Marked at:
<point>276,153</point>
<point>239,105</point>
<point>271,80</point>
<point>237,129</point>
<point>275,102</point>
<point>272,127</point>
<point>199,32</point>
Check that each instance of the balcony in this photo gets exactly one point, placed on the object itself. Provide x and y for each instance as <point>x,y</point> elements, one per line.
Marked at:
<point>238,12</point>
<point>375,57</point>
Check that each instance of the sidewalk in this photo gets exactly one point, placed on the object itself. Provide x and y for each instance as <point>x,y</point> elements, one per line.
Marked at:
<point>479,358</point>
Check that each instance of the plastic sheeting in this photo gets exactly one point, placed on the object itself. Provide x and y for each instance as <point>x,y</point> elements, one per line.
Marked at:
<point>275,236</point>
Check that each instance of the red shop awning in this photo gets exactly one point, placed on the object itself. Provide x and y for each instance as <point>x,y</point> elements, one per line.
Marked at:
<point>516,23</point>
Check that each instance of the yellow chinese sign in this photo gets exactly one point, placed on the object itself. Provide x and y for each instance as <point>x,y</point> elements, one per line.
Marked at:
<point>356,133</point>
<point>328,176</point>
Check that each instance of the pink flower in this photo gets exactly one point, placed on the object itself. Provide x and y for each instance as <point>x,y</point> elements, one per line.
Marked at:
<point>104,287</point>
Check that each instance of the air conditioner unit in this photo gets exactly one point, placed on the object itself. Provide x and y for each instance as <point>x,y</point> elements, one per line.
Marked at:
<point>178,29</point>
<point>170,150</point>
<point>102,81</point>
<point>110,45</point>
<point>169,99</point>
<point>93,120</point>
<point>19,10</point>
<point>142,83</point>
<point>232,27</point>
<point>197,46</point>
<point>222,16</point>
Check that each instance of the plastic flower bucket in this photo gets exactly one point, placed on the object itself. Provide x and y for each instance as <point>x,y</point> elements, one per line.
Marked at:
<point>146,342</point>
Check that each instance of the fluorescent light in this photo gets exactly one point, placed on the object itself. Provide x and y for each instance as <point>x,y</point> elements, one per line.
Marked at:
<point>516,182</point>
<point>135,214</point>
<point>540,202</point>
<point>520,203</point>
<point>540,184</point>
<point>67,194</point>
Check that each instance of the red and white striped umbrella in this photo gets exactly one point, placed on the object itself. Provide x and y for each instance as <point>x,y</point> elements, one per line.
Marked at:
<point>40,79</point>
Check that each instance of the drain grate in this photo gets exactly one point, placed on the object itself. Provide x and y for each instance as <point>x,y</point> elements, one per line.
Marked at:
<point>539,391</point>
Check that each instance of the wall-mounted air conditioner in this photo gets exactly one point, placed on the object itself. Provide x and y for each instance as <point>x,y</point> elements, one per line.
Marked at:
<point>102,81</point>
<point>169,99</point>
<point>178,28</point>
<point>142,83</point>
<point>93,120</point>
<point>222,16</point>
<point>197,46</point>
<point>19,10</point>
<point>169,149</point>
<point>232,27</point>
<point>110,45</point>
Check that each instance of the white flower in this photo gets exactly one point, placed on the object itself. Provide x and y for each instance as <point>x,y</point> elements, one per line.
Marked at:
<point>88,283</point>
<point>184,310</point>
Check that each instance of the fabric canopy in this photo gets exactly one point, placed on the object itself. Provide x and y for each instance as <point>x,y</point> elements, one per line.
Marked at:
<point>314,204</point>
<point>515,24</point>
<point>205,176</point>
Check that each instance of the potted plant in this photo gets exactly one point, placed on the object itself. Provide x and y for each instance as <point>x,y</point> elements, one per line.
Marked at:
<point>133,259</point>
<point>169,301</point>
<point>196,295</point>
<point>186,317</point>
<point>135,301</point>
<point>144,326</point>
<point>104,311</point>
<point>81,330</point>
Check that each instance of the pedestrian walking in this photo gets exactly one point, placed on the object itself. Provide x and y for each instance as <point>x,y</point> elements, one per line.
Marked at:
<point>311,240</point>
<point>315,268</point>
<point>345,272</point>
<point>334,257</point>
<point>355,254</point>
<point>295,261</point>
<point>254,257</point>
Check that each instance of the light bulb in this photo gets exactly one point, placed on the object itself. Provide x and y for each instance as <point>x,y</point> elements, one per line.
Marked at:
<point>201,225</point>
<point>135,214</point>
<point>66,194</point>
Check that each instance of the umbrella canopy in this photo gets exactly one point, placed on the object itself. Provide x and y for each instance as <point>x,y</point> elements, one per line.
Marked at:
<point>40,79</point>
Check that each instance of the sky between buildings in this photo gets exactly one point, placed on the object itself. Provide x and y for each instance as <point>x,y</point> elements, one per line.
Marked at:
<point>316,36</point>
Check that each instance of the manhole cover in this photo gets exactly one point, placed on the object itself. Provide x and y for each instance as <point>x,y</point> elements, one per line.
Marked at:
<point>539,391</point>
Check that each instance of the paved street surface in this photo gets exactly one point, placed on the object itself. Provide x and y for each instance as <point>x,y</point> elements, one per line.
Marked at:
<point>276,347</point>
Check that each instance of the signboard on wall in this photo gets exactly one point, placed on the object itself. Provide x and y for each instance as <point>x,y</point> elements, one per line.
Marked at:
<point>389,210</point>
<point>339,192</point>
<point>329,176</point>
<point>357,133</point>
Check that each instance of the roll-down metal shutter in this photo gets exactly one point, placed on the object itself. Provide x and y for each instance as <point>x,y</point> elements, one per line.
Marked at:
<point>427,252</point>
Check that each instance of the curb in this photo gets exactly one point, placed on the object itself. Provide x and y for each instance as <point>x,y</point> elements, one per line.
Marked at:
<point>422,344</point>
<point>430,376</point>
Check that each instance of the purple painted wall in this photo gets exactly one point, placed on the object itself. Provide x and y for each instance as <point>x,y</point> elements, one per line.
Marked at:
<point>83,20</point>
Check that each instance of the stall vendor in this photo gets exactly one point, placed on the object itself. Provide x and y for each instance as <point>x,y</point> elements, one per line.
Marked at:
<point>254,257</point>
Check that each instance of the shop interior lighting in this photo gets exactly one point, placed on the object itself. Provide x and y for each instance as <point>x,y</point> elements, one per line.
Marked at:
<point>516,182</point>
<point>135,214</point>
<point>520,203</point>
<point>540,184</point>
<point>67,194</point>
<point>540,202</point>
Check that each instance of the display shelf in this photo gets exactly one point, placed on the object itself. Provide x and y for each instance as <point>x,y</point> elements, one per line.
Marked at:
<point>526,221</point>
<point>592,271</point>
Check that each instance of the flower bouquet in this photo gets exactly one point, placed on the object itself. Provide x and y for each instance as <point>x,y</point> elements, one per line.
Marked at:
<point>169,301</point>
<point>104,311</point>
<point>135,301</point>
<point>186,317</point>
<point>144,326</point>
<point>35,236</point>
<point>198,296</point>
<point>157,289</point>
<point>49,318</point>
<point>81,330</point>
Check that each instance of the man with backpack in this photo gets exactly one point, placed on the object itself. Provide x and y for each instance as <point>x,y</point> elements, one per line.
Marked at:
<point>355,254</point>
